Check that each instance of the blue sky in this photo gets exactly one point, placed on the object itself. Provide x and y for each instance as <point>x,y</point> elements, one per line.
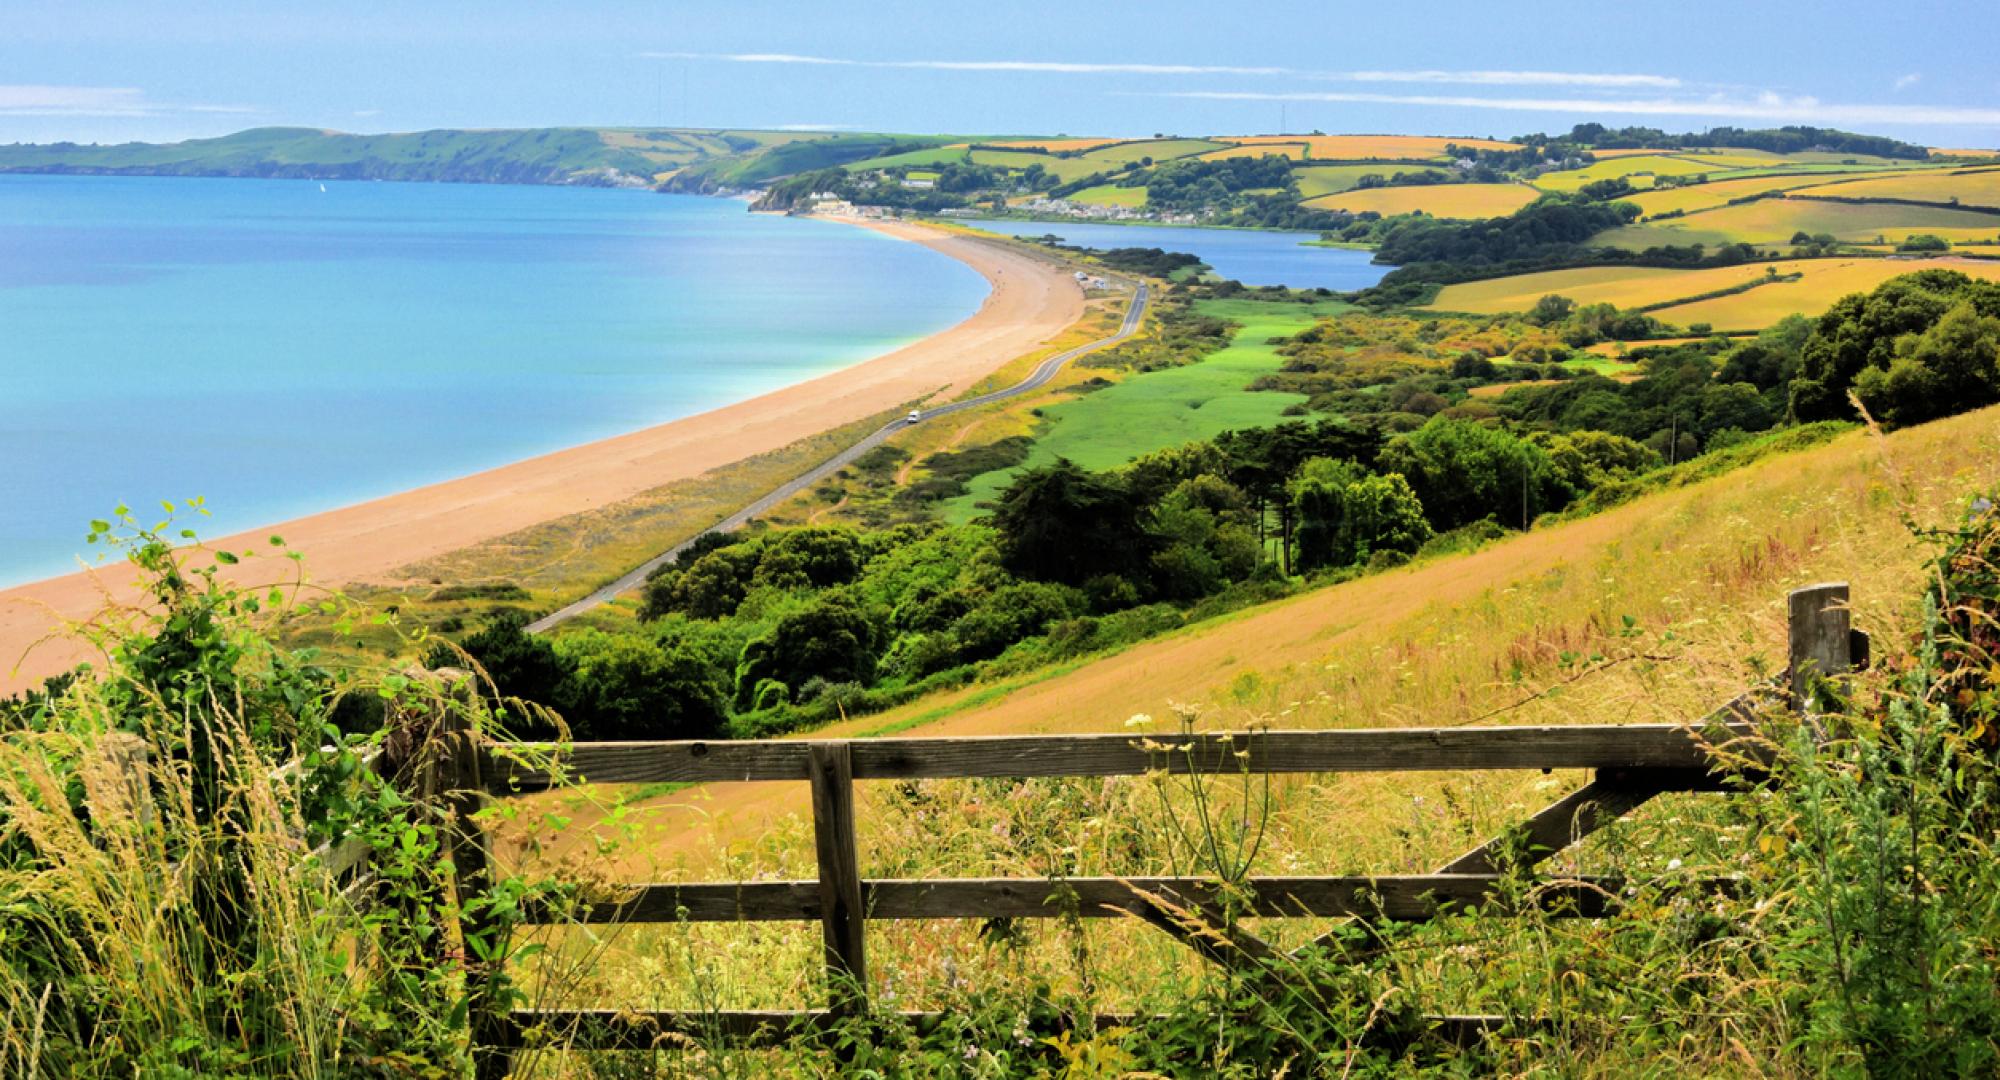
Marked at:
<point>142,69</point>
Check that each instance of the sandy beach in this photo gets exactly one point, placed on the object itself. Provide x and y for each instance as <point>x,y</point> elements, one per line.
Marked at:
<point>1031,301</point>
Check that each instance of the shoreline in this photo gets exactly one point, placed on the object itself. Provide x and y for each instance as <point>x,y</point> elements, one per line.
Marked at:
<point>1030,301</point>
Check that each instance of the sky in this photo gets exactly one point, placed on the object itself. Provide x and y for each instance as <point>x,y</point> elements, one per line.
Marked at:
<point>118,70</point>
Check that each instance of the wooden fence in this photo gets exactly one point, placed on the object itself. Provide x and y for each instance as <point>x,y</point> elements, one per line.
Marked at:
<point>1630,764</point>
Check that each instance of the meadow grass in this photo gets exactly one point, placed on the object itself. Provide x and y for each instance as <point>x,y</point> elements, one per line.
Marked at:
<point>1064,169</point>
<point>1715,193</point>
<point>1437,200</point>
<point>1157,409</point>
<point>1825,281</point>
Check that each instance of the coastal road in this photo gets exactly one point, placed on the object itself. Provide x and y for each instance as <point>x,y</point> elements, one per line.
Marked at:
<point>1043,372</point>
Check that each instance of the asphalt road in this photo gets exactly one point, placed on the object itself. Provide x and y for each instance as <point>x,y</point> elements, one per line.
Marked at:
<point>1043,372</point>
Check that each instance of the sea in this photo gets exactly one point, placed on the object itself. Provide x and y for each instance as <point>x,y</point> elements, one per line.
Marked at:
<point>282,347</point>
<point>1251,256</point>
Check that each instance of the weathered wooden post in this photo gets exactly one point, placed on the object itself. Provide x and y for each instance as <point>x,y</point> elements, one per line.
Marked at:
<point>1822,638</point>
<point>830,766</point>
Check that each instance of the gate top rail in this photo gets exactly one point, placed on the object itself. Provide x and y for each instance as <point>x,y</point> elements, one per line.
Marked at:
<point>515,767</point>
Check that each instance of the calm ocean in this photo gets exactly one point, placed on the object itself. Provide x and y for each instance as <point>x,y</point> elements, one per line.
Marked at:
<point>281,349</point>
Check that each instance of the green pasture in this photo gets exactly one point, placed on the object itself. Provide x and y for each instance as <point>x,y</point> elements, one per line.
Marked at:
<point>1157,149</point>
<point>1158,409</point>
<point>1317,180</point>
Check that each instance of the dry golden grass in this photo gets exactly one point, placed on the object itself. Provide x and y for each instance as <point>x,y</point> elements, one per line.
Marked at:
<point>1294,150</point>
<point>1634,168</point>
<point>1437,200</point>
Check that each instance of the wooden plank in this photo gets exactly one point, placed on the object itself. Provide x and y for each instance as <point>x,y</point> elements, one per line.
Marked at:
<point>1354,750</point>
<point>1611,795</point>
<point>843,919</point>
<point>630,1029</point>
<point>1820,636</point>
<point>1394,897</point>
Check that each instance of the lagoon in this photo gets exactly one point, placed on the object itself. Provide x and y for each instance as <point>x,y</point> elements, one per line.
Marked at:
<point>283,347</point>
<point>1251,256</point>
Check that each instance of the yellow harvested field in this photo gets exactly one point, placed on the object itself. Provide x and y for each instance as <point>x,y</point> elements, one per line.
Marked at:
<point>1373,147</point>
<point>1629,167</point>
<point>1732,158</point>
<point>1698,197</point>
<point>1437,200</point>
<point>1051,145</point>
<point>1776,221</point>
<point>1969,187</point>
<point>1825,281</point>
<point>1939,152</point>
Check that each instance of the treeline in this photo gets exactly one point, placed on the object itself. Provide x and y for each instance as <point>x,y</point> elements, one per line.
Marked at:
<point>763,632</point>
<point>1785,140</point>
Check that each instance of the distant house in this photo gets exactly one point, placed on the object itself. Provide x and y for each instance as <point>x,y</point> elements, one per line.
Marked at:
<point>924,183</point>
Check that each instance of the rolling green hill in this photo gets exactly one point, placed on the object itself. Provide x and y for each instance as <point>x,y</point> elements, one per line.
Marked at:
<point>695,159</point>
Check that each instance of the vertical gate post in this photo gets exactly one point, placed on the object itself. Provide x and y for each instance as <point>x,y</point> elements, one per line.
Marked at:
<point>830,766</point>
<point>461,791</point>
<point>1821,638</point>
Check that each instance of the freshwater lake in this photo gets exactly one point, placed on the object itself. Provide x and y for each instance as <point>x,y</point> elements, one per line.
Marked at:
<point>282,348</point>
<point>1251,256</point>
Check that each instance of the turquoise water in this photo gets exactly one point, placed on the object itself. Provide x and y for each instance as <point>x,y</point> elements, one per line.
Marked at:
<point>1251,256</point>
<point>280,350</point>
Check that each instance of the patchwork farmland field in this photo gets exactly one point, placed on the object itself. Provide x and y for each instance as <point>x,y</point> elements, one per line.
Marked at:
<point>1131,153</point>
<point>1695,198</point>
<point>1825,281</point>
<point>1777,220</point>
<point>1065,169</point>
<point>1317,180</point>
<point>936,155</point>
<point>1374,147</point>
<point>1970,187</point>
<point>1822,282</point>
<point>1294,150</point>
<point>1437,200</point>
<point>1051,145</point>
<point>1111,195</point>
<point>1631,168</point>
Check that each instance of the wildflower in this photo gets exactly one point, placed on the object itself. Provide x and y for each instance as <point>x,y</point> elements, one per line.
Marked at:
<point>1673,864</point>
<point>1139,722</point>
<point>970,1053</point>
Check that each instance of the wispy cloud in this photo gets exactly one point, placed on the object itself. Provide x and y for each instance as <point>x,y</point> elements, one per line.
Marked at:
<point>1047,66</point>
<point>1907,81</point>
<point>1802,110</point>
<point>1068,67</point>
<point>119,101</point>
<point>1509,78</point>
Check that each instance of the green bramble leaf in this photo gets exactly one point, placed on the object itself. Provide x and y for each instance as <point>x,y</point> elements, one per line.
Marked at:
<point>226,558</point>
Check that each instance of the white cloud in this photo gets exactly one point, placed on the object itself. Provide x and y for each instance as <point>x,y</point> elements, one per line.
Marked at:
<point>1907,81</point>
<point>1508,78</point>
<point>1766,106</point>
<point>126,101</point>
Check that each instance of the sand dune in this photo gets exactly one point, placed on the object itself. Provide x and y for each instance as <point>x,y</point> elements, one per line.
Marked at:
<point>1031,302</point>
